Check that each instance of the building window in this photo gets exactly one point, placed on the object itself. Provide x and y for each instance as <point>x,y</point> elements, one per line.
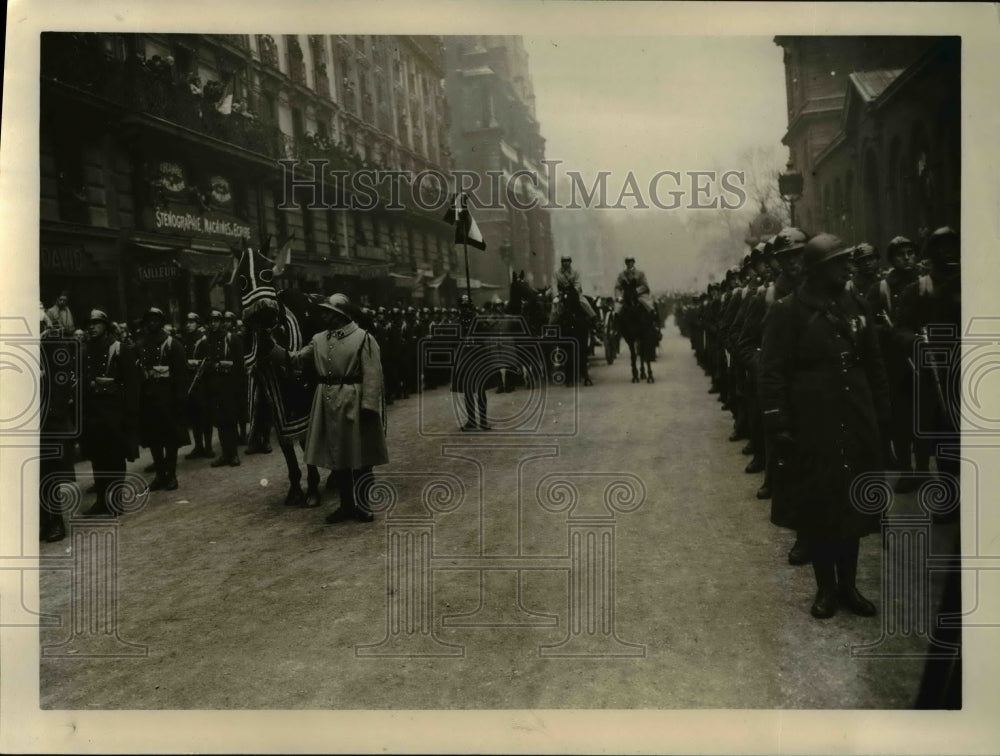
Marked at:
<point>309,231</point>
<point>280,219</point>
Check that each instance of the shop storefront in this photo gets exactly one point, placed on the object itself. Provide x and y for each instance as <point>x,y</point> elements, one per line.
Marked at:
<point>181,260</point>
<point>84,266</point>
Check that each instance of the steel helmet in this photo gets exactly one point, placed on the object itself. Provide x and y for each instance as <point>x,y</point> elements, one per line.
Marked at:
<point>899,243</point>
<point>340,304</point>
<point>823,248</point>
<point>864,251</point>
<point>942,246</point>
<point>789,239</point>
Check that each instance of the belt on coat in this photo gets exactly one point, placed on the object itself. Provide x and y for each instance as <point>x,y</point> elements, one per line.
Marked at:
<point>332,380</point>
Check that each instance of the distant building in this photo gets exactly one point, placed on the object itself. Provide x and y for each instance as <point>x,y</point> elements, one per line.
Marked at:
<point>159,152</point>
<point>493,128</point>
<point>874,129</point>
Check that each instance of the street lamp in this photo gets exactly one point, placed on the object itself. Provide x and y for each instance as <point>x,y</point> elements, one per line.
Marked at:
<point>790,188</point>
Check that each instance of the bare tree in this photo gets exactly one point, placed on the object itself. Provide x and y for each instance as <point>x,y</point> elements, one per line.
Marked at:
<point>763,165</point>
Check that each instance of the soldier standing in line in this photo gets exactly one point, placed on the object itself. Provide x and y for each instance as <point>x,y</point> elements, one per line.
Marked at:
<point>110,410</point>
<point>163,399</point>
<point>745,357</point>
<point>825,400</point>
<point>930,312</point>
<point>883,299</point>
<point>195,349</point>
<point>788,247</point>
<point>234,327</point>
<point>225,387</point>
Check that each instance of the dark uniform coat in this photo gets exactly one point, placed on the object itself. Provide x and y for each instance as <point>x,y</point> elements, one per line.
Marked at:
<point>195,349</point>
<point>163,398</point>
<point>477,361</point>
<point>823,382</point>
<point>224,378</point>
<point>110,395</point>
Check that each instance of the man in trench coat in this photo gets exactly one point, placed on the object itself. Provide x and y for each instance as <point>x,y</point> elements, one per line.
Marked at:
<point>347,420</point>
<point>825,400</point>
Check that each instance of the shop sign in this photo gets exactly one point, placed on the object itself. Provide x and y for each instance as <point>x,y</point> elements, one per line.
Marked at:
<point>68,258</point>
<point>158,271</point>
<point>209,224</point>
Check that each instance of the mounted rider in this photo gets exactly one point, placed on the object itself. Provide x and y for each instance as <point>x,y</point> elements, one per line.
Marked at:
<point>568,280</point>
<point>633,280</point>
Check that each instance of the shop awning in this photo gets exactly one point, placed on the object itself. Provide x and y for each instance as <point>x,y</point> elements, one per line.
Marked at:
<point>204,263</point>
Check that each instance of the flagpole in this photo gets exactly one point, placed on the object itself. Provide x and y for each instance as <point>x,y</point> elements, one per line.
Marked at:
<point>468,282</point>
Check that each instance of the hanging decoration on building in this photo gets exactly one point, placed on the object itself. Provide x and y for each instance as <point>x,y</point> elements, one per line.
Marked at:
<point>181,205</point>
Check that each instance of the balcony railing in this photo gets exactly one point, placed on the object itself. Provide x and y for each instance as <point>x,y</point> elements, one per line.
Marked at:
<point>154,87</point>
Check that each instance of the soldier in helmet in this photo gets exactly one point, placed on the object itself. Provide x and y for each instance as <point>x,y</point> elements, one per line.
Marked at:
<point>163,398</point>
<point>884,298</point>
<point>930,313</point>
<point>567,282</point>
<point>110,396</point>
<point>825,401</point>
<point>865,259</point>
<point>633,279</point>
<point>195,349</point>
<point>234,326</point>
<point>347,420</point>
<point>783,255</point>
<point>225,386</point>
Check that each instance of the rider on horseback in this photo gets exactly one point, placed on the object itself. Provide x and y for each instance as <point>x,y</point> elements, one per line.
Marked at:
<point>633,281</point>
<point>568,281</point>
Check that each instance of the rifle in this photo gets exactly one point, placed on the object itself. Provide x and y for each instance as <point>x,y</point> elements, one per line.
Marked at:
<point>888,321</point>
<point>937,378</point>
<point>197,374</point>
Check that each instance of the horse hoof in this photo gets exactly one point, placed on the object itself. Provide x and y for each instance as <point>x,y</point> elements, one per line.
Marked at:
<point>650,380</point>
<point>635,379</point>
<point>588,382</point>
<point>295,497</point>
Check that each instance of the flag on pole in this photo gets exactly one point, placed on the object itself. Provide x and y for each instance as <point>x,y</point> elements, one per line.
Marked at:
<point>284,256</point>
<point>225,103</point>
<point>466,230</point>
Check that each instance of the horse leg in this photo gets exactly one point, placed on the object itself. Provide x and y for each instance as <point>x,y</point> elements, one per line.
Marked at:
<point>632,357</point>
<point>295,497</point>
<point>312,498</point>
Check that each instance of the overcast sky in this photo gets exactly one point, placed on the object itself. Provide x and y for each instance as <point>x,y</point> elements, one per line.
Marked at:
<point>647,104</point>
<point>650,104</point>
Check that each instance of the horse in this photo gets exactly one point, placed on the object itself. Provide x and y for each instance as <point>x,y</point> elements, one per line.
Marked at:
<point>574,324</point>
<point>288,318</point>
<point>526,303</point>
<point>638,329</point>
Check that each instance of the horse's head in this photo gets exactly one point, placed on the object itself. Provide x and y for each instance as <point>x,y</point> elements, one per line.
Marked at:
<point>521,294</point>
<point>254,274</point>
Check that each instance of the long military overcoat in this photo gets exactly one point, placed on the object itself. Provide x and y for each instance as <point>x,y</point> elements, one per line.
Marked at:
<point>347,419</point>
<point>822,381</point>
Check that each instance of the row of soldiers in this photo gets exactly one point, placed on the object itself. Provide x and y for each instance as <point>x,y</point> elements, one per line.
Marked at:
<point>819,351</point>
<point>149,390</point>
<point>399,331</point>
<point>147,385</point>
